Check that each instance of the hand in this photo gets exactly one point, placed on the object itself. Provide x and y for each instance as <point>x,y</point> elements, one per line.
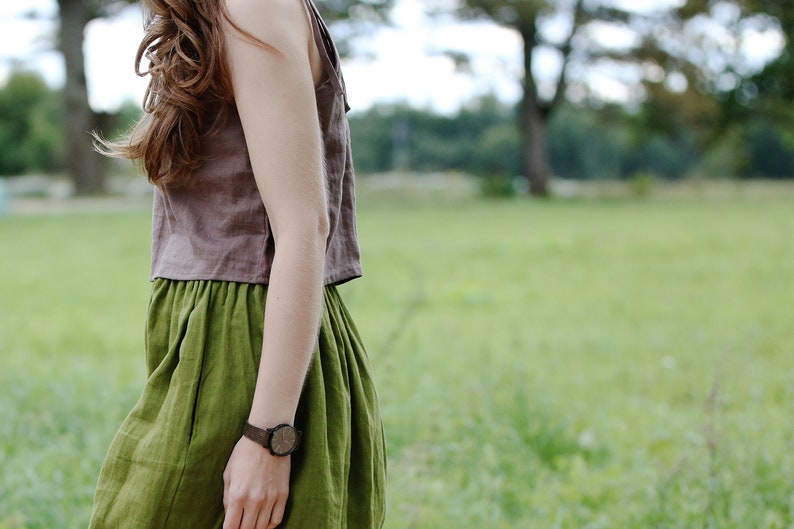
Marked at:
<point>255,487</point>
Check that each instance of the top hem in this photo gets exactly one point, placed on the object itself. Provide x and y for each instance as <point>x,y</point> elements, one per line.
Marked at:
<point>336,279</point>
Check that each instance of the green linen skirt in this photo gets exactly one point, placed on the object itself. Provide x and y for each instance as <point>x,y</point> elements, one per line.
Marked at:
<point>164,468</point>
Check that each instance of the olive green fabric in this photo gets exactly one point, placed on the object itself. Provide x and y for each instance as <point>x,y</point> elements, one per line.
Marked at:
<point>203,342</point>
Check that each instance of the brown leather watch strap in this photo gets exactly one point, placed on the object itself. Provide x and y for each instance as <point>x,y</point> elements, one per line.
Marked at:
<point>257,435</point>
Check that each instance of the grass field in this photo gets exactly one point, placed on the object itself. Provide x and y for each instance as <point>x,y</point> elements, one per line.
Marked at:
<point>590,363</point>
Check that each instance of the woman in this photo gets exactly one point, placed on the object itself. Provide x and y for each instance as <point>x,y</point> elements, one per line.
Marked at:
<point>259,409</point>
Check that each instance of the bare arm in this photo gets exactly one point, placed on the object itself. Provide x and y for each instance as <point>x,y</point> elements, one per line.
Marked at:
<point>274,92</point>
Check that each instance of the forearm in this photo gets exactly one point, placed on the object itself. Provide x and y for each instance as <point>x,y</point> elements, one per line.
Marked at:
<point>292,315</point>
<point>274,93</point>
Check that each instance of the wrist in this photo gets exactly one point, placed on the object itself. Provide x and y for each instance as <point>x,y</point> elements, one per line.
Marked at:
<point>281,440</point>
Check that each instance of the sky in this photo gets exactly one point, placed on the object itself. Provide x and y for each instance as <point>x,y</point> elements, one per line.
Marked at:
<point>407,63</point>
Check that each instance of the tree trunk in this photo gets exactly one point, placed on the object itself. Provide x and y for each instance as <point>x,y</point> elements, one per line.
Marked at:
<point>86,168</point>
<point>534,123</point>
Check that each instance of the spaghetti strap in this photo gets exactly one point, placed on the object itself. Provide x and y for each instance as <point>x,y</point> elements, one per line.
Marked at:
<point>323,40</point>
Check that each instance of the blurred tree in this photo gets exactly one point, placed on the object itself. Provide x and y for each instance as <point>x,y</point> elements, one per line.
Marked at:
<point>29,117</point>
<point>480,139</point>
<point>770,151</point>
<point>356,11</point>
<point>661,48</point>
<point>718,90</point>
<point>612,142</point>
<point>526,17</point>
<point>741,83</point>
<point>766,96</point>
<point>584,142</point>
<point>353,18</point>
<point>669,130</point>
<point>84,167</point>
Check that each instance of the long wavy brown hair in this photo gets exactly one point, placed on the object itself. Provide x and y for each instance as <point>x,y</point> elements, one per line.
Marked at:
<point>189,84</point>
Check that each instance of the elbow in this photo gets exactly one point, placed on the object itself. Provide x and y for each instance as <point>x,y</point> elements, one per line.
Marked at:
<point>317,233</point>
<point>308,233</point>
<point>317,228</point>
<point>323,226</point>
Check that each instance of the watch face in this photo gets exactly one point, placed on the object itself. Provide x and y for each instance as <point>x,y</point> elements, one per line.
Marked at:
<point>284,440</point>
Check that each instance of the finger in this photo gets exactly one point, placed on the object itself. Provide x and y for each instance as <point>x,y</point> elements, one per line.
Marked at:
<point>262,520</point>
<point>277,515</point>
<point>250,515</point>
<point>225,489</point>
<point>233,516</point>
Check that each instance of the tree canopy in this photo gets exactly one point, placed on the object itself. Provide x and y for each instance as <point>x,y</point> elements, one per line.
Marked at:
<point>684,55</point>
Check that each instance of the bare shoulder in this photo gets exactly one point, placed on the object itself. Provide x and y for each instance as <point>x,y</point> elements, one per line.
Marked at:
<point>281,24</point>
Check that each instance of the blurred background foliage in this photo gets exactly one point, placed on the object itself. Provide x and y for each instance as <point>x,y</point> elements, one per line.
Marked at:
<point>696,106</point>
<point>588,143</point>
<point>584,143</point>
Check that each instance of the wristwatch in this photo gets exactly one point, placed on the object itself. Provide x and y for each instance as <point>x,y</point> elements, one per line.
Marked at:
<point>281,440</point>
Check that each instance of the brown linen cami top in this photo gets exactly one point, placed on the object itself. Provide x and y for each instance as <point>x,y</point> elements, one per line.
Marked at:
<point>216,227</point>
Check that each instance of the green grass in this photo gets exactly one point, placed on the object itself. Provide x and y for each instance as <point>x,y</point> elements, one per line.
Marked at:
<point>592,363</point>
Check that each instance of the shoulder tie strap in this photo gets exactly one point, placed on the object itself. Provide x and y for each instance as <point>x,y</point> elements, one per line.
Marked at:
<point>326,47</point>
